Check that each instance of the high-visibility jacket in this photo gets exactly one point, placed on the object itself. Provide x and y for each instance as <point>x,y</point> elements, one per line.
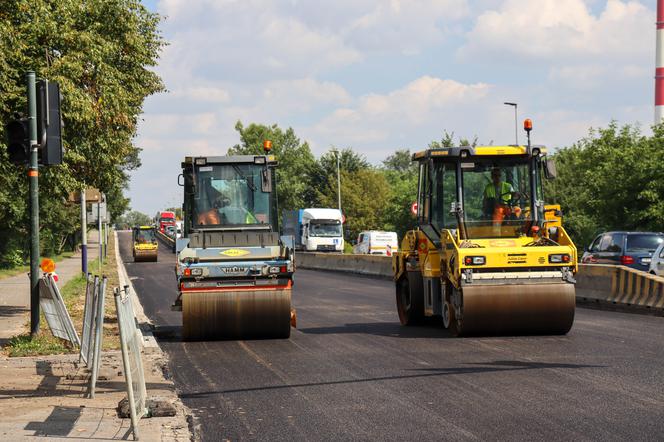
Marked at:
<point>505,192</point>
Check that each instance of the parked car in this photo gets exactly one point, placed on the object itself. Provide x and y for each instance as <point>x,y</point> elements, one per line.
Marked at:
<point>170,231</point>
<point>631,249</point>
<point>374,242</point>
<point>657,263</point>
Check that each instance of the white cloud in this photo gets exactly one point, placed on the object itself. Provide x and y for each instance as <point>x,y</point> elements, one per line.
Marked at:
<point>380,121</point>
<point>561,29</point>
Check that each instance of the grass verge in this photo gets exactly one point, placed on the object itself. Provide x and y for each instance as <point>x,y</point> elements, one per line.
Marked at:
<point>73,293</point>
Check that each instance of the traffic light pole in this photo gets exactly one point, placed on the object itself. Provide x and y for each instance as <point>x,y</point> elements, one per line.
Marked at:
<point>33,178</point>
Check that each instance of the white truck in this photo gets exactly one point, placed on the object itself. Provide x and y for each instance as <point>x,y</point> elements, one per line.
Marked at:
<point>315,230</point>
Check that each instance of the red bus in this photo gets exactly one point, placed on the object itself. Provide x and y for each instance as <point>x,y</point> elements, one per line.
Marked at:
<point>165,219</point>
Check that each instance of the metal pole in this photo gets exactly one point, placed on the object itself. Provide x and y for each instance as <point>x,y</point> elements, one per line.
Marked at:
<point>338,180</point>
<point>84,234</point>
<point>659,64</point>
<point>33,178</point>
<point>99,230</point>
<point>516,124</point>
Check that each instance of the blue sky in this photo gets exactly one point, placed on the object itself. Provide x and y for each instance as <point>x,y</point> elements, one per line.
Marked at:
<point>381,75</point>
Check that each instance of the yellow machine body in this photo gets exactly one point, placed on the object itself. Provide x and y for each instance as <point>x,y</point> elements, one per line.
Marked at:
<point>481,275</point>
<point>145,247</point>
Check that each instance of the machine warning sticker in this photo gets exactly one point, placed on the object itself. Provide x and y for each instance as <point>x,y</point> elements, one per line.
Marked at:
<point>235,252</point>
<point>502,243</point>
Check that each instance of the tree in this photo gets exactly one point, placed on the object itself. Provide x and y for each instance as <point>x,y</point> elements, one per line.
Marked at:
<point>364,194</point>
<point>134,218</point>
<point>294,156</point>
<point>611,180</point>
<point>100,52</point>
<point>401,174</point>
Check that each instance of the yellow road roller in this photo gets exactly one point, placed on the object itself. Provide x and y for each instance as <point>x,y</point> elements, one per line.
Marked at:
<point>488,256</point>
<point>234,270</point>
<point>145,246</point>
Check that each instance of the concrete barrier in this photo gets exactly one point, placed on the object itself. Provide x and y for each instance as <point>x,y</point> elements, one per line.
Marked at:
<point>600,285</point>
<point>620,286</point>
<point>166,240</point>
<point>370,265</point>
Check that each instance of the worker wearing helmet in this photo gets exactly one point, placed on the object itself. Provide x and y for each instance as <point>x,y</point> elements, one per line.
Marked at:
<point>497,196</point>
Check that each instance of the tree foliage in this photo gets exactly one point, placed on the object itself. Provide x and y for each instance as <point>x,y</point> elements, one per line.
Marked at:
<point>611,180</point>
<point>295,161</point>
<point>100,52</point>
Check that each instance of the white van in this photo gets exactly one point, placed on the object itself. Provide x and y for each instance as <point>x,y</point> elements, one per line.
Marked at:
<point>376,242</point>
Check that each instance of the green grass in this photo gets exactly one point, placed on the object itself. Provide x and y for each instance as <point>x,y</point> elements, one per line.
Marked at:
<point>43,344</point>
<point>8,273</point>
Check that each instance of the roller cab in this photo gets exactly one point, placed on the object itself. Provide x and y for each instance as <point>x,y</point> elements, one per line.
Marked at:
<point>488,256</point>
<point>234,271</point>
<point>144,241</point>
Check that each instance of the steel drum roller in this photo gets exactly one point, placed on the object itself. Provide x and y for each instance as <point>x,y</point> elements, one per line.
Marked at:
<point>518,308</point>
<point>230,314</point>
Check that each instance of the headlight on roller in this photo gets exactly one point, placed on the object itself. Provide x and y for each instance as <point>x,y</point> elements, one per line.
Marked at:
<point>559,258</point>
<point>474,260</point>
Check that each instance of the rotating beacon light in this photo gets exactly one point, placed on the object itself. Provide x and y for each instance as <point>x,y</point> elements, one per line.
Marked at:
<point>267,146</point>
<point>528,126</point>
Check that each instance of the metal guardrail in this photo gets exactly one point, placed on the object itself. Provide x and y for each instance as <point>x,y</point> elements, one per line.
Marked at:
<point>55,311</point>
<point>130,342</point>
<point>97,330</point>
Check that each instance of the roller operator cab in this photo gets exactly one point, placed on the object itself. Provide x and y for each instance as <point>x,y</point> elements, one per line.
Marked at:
<point>144,244</point>
<point>234,271</point>
<point>488,255</point>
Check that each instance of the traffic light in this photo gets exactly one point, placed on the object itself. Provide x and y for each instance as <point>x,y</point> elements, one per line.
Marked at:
<point>49,123</point>
<point>18,141</point>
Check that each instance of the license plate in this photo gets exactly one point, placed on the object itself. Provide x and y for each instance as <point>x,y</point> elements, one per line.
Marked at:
<point>646,260</point>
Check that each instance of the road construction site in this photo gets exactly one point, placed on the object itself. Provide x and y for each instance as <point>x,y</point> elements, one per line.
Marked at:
<point>350,371</point>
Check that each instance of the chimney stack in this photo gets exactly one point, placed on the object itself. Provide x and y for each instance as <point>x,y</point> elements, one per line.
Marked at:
<point>659,68</point>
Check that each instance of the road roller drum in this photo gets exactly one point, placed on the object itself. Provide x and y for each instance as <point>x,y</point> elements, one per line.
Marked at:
<point>516,309</point>
<point>236,314</point>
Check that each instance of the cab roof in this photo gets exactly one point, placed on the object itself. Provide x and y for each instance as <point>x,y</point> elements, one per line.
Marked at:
<point>510,150</point>
<point>230,159</point>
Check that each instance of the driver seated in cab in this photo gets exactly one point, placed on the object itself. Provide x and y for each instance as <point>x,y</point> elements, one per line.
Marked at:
<point>498,195</point>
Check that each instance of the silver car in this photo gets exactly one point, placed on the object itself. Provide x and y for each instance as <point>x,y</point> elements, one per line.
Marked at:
<point>657,263</point>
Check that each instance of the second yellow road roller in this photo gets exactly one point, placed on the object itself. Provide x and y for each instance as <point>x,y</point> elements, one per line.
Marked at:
<point>488,256</point>
<point>145,246</point>
<point>234,270</point>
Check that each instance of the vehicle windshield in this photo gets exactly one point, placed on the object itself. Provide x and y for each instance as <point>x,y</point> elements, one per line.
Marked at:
<point>325,229</point>
<point>166,220</point>
<point>230,195</point>
<point>496,197</point>
<point>643,243</point>
<point>144,236</point>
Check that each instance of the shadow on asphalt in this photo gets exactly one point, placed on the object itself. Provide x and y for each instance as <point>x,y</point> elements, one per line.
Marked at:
<point>482,367</point>
<point>430,329</point>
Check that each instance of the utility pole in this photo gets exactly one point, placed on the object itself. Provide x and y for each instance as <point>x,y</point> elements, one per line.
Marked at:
<point>336,154</point>
<point>516,124</point>
<point>101,255</point>
<point>659,63</point>
<point>33,178</point>
<point>84,233</point>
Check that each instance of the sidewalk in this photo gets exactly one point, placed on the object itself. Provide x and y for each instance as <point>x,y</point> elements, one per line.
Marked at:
<point>15,291</point>
<point>45,397</point>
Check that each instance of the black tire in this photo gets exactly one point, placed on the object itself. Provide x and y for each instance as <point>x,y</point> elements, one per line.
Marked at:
<point>410,302</point>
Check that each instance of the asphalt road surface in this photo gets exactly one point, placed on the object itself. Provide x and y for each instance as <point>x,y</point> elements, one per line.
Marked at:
<point>351,372</point>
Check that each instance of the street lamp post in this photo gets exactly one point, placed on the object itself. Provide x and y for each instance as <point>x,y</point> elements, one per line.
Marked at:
<point>336,154</point>
<point>516,130</point>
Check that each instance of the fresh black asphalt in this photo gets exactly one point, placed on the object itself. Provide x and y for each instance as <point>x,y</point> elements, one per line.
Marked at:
<point>351,372</point>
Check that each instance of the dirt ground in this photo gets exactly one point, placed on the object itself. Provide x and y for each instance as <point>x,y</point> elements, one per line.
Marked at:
<point>48,397</point>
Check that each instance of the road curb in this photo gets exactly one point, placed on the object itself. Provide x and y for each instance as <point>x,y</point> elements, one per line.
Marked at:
<point>145,326</point>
